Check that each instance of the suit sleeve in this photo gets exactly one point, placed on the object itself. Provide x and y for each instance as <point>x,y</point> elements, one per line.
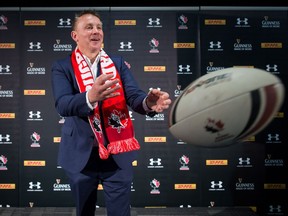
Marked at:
<point>68,100</point>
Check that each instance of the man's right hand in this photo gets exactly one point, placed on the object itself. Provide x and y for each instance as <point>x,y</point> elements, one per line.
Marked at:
<point>103,88</point>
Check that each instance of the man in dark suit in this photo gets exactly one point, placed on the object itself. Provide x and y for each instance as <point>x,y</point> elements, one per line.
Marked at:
<point>92,90</point>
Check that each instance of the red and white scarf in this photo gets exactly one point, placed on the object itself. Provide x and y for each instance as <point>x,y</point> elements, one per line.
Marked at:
<point>116,120</point>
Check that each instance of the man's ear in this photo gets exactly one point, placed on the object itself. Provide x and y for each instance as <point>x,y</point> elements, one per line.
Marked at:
<point>74,36</point>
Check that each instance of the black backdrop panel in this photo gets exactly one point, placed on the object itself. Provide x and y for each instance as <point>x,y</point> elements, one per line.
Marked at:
<point>165,49</point>
<point>10,96</point>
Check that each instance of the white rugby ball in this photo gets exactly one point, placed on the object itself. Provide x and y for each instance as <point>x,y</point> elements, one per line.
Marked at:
<point>226,106</point>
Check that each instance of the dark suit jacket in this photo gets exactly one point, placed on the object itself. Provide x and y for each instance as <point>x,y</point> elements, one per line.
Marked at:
<point>77,136</point>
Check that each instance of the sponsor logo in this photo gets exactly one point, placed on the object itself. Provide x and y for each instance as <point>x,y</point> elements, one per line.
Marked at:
<point>215,22</point>
<point>184,161</point>
<point>7,45</point>
<point>31,70</point>
<point>125,46</point>
<point>157,117</point>
<point>238,46</point>
<point>34,116</point>
<point>184,45</point>
<point>5,139</point>
<point>185,186</point>
<point>34,92</point>
<point>6,93</point>
<point>64,23</point>
<point>35,137</point>
<point>7,115</point>
<point>135,163</point>
<point>34,22</point>
<point>244,162</point>
<point>34,47</point>
<point>155,139</point>
<point>155,184</point>
<point>34,187</point>
<point>184,69</point>
<point>61,47</point>
<point>275,186</point>
<point>3,162</point>
<point>100,187</point>
<point>3,22</point>
<point>242,22</point>
<point>5,70</point>
<point>155,163</point>
<point>215,46</point>
<point>273,162</point>
<point>240,185</point>
<point>125,22</point>
<point>56,139</point>
<point>271,45</point>
<point>34,163</point>
<point>155,23</point>
<point>216,186</point>
<point>266,23</point>
<point>183,20</point>
<point>7,186</point>
<point>154,68</point>
<point>58,186</point>
<point>216,162</point>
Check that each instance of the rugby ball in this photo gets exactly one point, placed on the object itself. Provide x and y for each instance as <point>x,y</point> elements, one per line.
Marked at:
<point>226,106</point>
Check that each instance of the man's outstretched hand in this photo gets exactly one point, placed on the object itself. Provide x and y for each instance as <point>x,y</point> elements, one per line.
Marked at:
<point>158,100</point>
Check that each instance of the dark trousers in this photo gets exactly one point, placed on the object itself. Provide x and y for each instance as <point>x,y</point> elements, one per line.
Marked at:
<point>116,185</point>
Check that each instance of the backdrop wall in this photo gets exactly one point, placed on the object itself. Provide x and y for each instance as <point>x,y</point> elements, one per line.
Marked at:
<point>165,48</point>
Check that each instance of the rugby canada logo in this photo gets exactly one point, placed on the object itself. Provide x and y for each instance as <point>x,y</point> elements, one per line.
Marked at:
<point>115,121</point>
<point>154,43</point>
<point>155,184</point>
<point>3,22</point>
<point>3,162</point>
<point>35,137</point>
<point>184,160</point>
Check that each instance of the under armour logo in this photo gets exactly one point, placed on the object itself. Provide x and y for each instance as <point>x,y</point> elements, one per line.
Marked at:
<point>271,137</point>
<point>128,45</point>
<point>35,45</point>
<point>6,138</point>
<point>67,21</point>
<point>273,68</point>
<point>155,21</point>
<point>275,209</point>
<point>34,115</point>
<point>242,21</point>
<point>35,186</point>
<point>4,69</point>
<point>215,45</point>
<point>242,161</point>
<point>157,162</point>
<point>214,184</point>
<point>182,68</point>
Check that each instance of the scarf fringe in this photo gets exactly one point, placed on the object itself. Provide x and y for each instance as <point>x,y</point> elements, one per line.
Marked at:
<point>118,147</point>
<point>125,145</point>
<point>103,152</point>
